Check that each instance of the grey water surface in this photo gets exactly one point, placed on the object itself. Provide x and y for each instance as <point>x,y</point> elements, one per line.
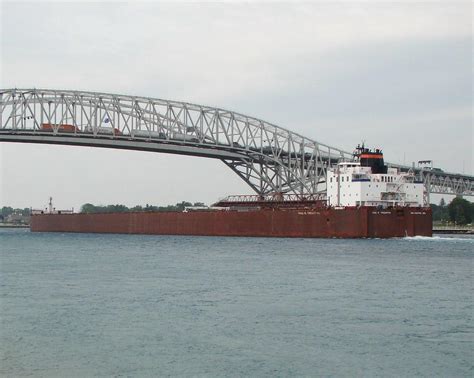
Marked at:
<point>137,305</point>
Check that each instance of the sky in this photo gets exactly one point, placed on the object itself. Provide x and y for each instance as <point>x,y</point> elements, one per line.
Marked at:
<point>395,75</point>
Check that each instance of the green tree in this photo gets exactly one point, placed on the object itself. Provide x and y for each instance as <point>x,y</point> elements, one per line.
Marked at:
<point>7,210</point>
<point>440,212</point>
<point>150,208</point>
<point>460,211</point>
<point>88,208</point>
<point>116,208</point>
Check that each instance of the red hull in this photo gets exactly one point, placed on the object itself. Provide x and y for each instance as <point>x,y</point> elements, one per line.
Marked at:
<point>364,222</point>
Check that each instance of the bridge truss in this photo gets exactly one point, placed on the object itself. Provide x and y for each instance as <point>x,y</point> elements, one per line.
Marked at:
<point>271,159</point>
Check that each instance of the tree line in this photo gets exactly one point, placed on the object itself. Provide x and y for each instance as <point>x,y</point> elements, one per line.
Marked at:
<point>180,206</point>
<point>8,210</point>
<point>459,211</point>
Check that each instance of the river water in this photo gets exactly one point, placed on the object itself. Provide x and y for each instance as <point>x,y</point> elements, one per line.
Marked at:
<point>134,305</point>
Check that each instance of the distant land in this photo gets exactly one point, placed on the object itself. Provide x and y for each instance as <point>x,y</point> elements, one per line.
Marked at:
<point>459,211</point>
<point>180,206</point>
<point>18,216</point>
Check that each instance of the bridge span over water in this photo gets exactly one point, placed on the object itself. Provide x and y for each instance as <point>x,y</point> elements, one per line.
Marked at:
<point>267,157</point>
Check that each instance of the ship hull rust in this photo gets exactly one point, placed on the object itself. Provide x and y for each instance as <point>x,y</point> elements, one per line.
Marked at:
<point>356,222</point>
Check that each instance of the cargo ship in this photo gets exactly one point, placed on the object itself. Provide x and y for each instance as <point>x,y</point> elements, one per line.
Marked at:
<point>364,199</point>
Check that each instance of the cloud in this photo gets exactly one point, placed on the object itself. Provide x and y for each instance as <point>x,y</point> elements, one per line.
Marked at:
<point>217,48</point>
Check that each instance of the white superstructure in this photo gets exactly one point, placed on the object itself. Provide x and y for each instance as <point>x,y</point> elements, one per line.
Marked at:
<point>367,182</point>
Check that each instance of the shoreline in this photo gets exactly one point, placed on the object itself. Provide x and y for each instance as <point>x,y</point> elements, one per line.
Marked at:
<point>11,225</point>
<point>453,232</point>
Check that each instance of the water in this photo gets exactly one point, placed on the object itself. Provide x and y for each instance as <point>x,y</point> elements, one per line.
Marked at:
<point>130,305</point>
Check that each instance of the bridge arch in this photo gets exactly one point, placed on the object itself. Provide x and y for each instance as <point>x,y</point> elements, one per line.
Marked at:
<point>269,158</point>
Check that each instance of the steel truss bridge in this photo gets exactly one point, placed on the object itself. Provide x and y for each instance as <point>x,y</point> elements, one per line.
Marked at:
<point>269,158</point>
